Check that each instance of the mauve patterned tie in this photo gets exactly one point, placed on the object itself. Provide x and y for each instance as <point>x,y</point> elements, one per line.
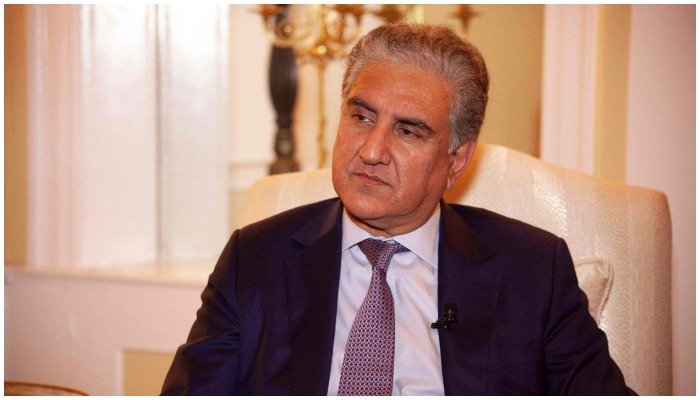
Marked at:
<point>368,365</point>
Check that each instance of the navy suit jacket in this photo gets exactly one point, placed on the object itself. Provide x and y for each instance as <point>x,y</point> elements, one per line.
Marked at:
<point>267,321</point>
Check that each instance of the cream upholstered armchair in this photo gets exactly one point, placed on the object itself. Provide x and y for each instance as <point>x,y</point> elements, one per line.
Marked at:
<point>619,237</point>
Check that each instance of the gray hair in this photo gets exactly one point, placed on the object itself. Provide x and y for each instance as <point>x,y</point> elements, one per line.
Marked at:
<point>437,49</point>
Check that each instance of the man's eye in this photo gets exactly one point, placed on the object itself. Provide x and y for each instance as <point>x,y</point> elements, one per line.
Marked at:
<point>406,132</point>
<point>361,118</point>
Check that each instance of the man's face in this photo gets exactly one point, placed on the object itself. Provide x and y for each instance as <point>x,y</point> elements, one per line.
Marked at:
<point>390,161</point>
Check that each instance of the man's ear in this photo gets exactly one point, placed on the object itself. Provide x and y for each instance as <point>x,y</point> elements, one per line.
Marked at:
<point>459,161</point>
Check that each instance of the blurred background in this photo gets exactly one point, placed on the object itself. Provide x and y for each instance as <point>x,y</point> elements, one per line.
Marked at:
<point>133,132</point>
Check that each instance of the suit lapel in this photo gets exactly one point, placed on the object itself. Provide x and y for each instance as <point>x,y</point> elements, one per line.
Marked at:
<point>467,278</point>
<point>312,288</point>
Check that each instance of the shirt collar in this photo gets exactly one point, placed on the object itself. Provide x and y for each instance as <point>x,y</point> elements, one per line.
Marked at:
<point>422,241</point>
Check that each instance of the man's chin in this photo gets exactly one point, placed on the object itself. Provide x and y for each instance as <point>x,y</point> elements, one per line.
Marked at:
<point>365,210</point>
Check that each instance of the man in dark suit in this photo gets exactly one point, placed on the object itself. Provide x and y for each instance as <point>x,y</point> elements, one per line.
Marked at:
<point>346,296</point>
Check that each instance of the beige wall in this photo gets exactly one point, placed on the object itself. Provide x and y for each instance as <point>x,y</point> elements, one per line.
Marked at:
<point>661,152</point>
<point>510,39</point>
<point>105,334</point>
<point>611,92</point>
<point>15,134</point>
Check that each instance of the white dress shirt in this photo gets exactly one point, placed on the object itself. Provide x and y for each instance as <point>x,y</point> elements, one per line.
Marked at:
<point>412,278</point>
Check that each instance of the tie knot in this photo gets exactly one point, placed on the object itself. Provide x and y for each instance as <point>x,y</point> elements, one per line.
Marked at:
<point>379,252</point>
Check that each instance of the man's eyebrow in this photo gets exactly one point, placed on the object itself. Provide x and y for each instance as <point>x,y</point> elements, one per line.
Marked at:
<point>358,102</point>
<point>420,124</point>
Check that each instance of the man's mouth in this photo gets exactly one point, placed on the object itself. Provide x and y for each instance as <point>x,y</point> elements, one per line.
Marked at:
<point>370,179</point>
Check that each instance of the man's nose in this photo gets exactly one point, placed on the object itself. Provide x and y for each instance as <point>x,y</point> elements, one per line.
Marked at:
<point>377,146</point>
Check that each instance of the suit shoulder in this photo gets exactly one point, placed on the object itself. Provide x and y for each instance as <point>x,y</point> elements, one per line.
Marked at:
<point>288,221</point>
<point>505,232</point>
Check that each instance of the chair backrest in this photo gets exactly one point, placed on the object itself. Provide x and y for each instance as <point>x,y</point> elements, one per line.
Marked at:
<point>619,237</point>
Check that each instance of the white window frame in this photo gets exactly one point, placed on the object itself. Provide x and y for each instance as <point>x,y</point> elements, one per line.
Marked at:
<point>98,116</point>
